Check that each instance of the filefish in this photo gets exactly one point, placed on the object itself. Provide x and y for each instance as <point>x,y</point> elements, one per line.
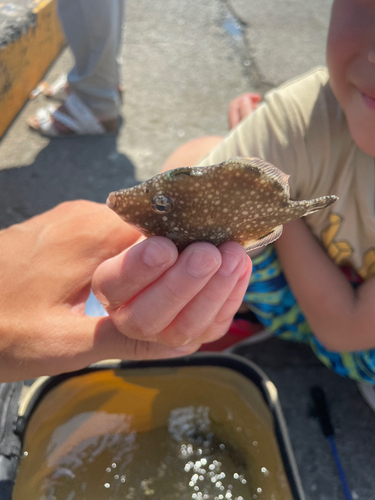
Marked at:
<point>243,199</point>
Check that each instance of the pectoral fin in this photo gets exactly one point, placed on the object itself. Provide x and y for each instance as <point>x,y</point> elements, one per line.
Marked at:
<point>266,240</point>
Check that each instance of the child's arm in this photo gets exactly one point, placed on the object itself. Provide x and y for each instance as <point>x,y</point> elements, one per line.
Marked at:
<point>341,318</point>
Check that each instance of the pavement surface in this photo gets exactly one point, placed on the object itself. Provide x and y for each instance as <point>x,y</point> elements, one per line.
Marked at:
<point>183,62</point>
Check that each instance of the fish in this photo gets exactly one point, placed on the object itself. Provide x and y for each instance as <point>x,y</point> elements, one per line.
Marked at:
<point>242,199</point>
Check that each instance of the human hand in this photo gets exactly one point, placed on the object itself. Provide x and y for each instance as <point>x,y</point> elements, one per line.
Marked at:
<point>154,295</point>
<point>241,107</point>
<point>47,264</point>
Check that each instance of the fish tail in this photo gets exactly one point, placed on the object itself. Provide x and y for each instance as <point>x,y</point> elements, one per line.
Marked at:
<point>319,203</point>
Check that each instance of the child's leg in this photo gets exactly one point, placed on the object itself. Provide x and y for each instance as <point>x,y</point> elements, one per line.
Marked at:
<point>274,305</point>
<point>191,152</point>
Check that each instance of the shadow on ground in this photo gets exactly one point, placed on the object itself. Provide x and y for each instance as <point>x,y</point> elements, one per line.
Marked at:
<point>66,169</point>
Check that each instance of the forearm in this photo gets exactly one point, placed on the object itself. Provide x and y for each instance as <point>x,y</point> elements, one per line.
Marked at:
<point>339,317</point>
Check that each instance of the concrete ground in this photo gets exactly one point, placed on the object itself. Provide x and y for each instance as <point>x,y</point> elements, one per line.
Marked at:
<point>183,62</point>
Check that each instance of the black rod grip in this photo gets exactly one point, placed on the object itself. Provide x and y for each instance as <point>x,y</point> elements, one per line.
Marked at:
<point>321,410</point>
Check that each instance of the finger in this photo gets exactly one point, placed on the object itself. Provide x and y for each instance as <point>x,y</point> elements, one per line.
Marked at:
<point>242,106</point>
<point>75,342</point>
<point>120,279</point>
<point>200,312</point>
<point>109,343</point>
<point>245,107</point>
<point>255,98</point>
<point>233,114</point>
<point>157,306</point>
<point>223,320</point>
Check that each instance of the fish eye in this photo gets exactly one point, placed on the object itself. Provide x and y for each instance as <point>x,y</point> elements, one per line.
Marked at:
<point>161,204</point>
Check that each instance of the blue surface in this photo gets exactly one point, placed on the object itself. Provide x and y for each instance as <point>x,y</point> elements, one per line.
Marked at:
<point>94,307</point>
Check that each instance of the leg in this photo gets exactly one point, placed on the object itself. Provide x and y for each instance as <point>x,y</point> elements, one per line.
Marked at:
<point>191,152</point>
<point>120,21</point>
<point>93,31</point>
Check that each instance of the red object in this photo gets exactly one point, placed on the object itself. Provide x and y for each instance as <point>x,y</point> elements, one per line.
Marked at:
<point>352,275</point>
<point>239,330</point>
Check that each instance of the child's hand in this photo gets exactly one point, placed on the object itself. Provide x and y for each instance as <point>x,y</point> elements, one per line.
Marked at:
<point>241,107</point>
<point>46,268</point>
<point>160,298</point>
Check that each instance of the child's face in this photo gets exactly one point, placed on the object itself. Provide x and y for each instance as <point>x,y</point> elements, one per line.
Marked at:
<point>351,65</point>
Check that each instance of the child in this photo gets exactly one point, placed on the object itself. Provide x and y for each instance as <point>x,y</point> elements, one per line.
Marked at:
<point>320,129</point>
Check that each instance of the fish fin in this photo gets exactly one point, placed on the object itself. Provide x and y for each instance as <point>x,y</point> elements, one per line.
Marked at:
<point>181,171</point>
<point>272,171</point>
<point>266,240</point>
<point>187,171</point>
<point>319,203</point>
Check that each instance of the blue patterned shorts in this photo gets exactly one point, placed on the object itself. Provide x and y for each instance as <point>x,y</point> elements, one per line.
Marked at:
<point>275,306</point>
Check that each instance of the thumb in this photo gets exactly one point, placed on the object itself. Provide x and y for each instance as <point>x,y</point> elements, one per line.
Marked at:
<point>99,339</point>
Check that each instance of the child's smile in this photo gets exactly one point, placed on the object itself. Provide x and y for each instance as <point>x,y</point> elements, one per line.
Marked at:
<point>351,65</point>
<point>368,100</point>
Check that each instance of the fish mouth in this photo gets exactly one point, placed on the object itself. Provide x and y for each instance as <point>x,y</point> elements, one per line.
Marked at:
<point>111,200</point>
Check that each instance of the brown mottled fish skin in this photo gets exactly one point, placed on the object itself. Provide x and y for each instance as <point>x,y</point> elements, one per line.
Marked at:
<point>242,199</point>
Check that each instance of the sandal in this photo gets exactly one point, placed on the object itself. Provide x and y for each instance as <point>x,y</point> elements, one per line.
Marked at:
<point>57,89</point>
<point>76,117</point>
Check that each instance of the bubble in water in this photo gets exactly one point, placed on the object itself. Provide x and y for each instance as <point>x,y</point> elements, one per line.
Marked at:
<point>265,471</point>
<point>25,453</point>
<point>114,466</point>
<point>108,469</point>
<point>259,490</point>
<point>123,479</point>
<point>116,476</point>
<point>255,443</point>
<point>107,485</point>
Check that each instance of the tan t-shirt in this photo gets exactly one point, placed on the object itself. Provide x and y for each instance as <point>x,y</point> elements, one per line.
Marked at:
<point>302,130</point>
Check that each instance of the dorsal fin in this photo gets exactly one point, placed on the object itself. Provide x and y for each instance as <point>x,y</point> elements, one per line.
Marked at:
<point>272,171</point>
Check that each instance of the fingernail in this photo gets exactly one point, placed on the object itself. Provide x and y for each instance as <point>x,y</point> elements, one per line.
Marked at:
<point>201,264</point>
<point>230,263</point>
<point>156,254</point>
